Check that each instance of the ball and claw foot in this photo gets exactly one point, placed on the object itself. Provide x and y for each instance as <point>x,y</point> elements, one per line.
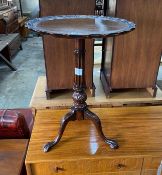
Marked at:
<point>70,116</point>
<point>95,119</point>
<point>48,146</point>
<point>112,143</point>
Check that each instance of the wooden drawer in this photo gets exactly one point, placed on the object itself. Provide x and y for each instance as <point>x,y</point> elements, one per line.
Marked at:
<point>90,166</point>
<point>119,173</point>
<point>2,26</point>
<point>152,162</point>
<point>149,172</point>
<point>151,165</point>
<point>12,27</point>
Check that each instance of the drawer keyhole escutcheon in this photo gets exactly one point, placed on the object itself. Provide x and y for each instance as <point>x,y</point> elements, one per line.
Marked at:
<point>119,166</point>
<point>58,169</point>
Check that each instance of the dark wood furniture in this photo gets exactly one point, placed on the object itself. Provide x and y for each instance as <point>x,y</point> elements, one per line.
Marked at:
<point>132,61</point>
<point>58,52</point>
<point>4,54</point>
<point>22,29</point>
<point>9,24</point>
<point>9,20</point>
<point>100,6</point>
<point>3,4</point>
<point>13,43</point>
<point>15,131</point>
<point>79,28</point>
<point>137,129</point>
<point>12,156</point>
<point>8,47</point>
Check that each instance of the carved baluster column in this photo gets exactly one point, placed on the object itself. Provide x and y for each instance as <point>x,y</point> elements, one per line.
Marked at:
<point>79,96</point>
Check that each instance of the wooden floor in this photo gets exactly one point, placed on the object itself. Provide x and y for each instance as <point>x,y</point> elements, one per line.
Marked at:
<point>138,97</point>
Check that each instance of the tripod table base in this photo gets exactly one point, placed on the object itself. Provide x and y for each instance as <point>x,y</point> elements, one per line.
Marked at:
<point>72,116</point>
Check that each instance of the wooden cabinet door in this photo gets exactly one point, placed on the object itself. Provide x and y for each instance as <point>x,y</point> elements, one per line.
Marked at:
<point>59,53</point>
<point>135,57</point>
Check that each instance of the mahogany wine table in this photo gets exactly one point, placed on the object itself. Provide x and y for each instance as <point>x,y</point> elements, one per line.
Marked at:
<point>79,28</point>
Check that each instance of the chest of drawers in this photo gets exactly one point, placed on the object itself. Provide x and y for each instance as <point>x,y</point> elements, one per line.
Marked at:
<point>137,129</point>
<point>9,21</point>
<point>12,44</point>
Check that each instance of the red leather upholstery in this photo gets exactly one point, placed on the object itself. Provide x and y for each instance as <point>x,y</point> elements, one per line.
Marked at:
<point>16,123</point>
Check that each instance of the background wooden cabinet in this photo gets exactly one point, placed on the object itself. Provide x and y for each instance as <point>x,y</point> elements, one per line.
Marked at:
<point>59,53</point>
<point>9,24</point>
<point>132,60</point>
<point>9,20</point>
<point>12,44</point>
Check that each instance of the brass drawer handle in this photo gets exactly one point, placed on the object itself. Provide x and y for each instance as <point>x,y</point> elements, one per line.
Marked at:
<point>58,169</point>
<point>119,166</point>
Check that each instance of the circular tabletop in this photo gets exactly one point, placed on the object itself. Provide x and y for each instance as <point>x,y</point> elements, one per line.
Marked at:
<point>80,26</point>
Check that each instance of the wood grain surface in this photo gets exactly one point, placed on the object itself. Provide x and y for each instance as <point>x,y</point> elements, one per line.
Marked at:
<point>80,26</point>
<point>12,155</point>
<point>136,55</point>
<point>132,60</point>
<point>137,129</point>
<point>59,56</point>
<point>134,97</point>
